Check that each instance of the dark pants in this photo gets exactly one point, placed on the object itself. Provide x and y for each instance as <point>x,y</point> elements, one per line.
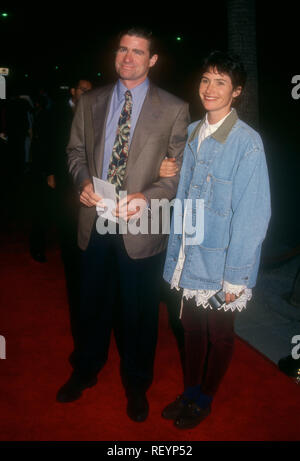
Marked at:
<point>66,214</point>
<point>172,298</point>
<point>110,280</point>
<point>209,341</point>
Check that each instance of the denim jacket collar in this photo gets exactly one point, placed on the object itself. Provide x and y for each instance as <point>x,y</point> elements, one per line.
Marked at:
<point>222,132</point>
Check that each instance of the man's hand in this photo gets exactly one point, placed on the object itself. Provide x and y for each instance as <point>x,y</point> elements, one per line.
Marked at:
<point>88,196</point>
<point>51,181</point>
<point>130,206</point>
<point>168,168</point>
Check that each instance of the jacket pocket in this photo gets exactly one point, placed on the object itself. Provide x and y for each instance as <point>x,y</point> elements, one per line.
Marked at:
<point>218,195</point>
<point>204,264</point>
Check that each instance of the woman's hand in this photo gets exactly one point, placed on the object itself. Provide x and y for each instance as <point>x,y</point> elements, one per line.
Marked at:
<point>168,168</point>
<point>230,297</point>
<point>132,205</point>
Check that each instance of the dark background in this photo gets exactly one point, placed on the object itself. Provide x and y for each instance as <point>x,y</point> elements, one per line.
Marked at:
<point>78,39</point>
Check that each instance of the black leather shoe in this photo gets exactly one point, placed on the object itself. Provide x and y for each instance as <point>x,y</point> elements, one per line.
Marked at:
<point>172,410</point>
<point>137,407</point>
<point>190,416</point>
<point>72,389</point>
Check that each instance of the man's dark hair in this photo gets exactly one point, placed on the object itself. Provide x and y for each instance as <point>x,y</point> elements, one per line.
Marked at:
<point>226,63</point>
<point>141,32</point>
<point>75,82</point>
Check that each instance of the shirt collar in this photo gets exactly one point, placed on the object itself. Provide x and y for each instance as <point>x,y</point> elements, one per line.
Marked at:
<point>137,91</point>
<point>215,126</point>
<point>222,132</point>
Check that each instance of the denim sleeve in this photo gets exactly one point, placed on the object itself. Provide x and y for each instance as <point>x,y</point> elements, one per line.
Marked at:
<point>251,214</point>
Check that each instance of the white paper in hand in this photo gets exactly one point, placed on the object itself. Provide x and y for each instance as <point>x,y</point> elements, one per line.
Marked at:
<point>107,192</point>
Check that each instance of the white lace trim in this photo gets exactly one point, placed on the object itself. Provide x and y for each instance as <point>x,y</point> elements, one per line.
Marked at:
<point>232,289</point>
<point>202,296</point>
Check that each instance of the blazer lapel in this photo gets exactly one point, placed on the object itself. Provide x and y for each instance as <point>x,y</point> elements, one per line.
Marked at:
<point>100,110</point>
<point>147,121</point>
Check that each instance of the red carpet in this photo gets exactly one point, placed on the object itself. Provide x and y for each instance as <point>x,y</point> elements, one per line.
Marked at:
<point>255,402</point>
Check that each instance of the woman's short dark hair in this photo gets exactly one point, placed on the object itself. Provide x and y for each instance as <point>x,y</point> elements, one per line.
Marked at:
<point>226,63</point>
<point>141,32</point>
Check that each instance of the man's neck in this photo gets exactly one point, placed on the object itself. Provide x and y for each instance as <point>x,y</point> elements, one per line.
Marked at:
<point>130,84</point>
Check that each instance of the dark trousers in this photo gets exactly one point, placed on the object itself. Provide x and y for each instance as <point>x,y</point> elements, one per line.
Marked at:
<point>209,341</point>
<point>112,283</point>
<point>66,217</point>
<point>172,298</point>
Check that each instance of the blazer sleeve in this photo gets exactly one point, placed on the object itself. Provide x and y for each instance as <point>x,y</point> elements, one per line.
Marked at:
<point>167,187</point>
<point>77,161</point>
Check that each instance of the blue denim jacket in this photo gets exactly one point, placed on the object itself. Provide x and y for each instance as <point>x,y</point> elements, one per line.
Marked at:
<point>230,174</point>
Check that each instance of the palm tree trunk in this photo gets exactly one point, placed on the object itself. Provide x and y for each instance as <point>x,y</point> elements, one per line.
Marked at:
<point>241,15</point>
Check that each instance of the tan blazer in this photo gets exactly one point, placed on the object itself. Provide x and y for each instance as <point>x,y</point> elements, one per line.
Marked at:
<point>160,130</point>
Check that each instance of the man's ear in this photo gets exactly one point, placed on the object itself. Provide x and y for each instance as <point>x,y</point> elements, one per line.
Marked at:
<point>72,91</point>
<point>153,60</point>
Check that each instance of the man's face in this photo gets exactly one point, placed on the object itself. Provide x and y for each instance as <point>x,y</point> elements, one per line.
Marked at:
<point>133,60</point>
<point>82,87</point>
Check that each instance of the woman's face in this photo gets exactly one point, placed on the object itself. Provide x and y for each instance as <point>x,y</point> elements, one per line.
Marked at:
<point>216,93</point>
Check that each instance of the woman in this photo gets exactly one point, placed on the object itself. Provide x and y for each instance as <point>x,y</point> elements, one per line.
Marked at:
<point>224,165</point>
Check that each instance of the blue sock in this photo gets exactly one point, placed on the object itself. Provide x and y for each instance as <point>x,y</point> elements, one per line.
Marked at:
<point>194,393</point>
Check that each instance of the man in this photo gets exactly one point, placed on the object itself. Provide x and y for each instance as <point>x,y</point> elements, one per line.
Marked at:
<point>62,116</point>
<point>67,200</point>
<point>51,132</point>
<point>121,133</point>
<point>59,177</point>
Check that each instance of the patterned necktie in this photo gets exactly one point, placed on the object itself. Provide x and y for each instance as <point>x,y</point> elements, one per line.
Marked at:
<point>118,160</point>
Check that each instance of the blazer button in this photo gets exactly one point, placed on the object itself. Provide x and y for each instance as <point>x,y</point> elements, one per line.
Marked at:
<point>208,178</point>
